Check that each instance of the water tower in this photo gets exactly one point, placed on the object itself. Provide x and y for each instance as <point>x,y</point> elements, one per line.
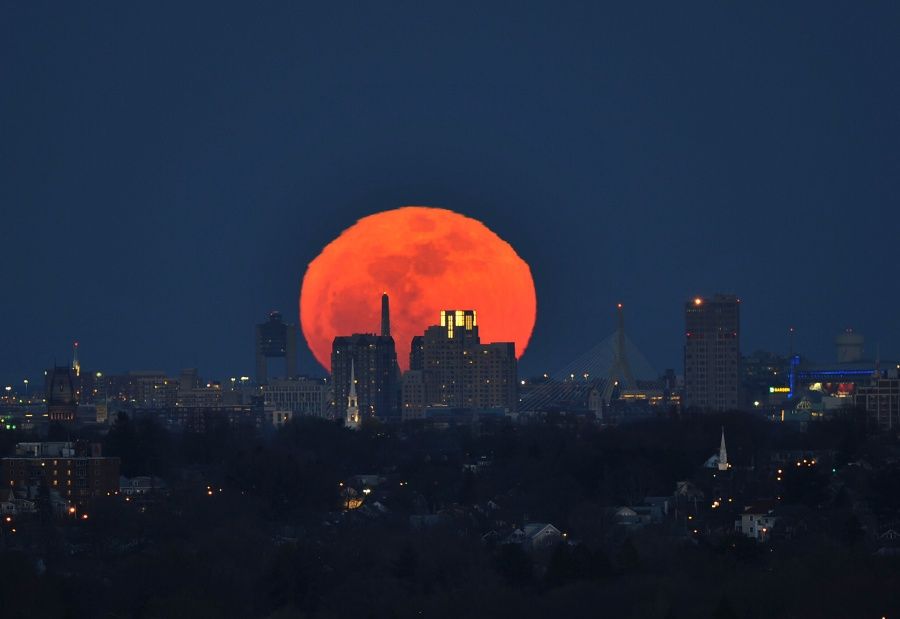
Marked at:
<point>849,346</point>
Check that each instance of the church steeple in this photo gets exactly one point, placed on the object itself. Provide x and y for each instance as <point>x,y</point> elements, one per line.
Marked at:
<point>351,419</point>
<point>76,365</point>
<point>723,453</point>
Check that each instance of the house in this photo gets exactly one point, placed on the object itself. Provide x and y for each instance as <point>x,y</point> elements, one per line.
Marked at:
<point>888,543</point>
<point>630,517</point>
<point>757,521</point>
<point>140,485</point>
<point>13,503</point>
<point>536,536</point>
<point>653,510</point>
<point>687,490</point>
<point>659,507</point>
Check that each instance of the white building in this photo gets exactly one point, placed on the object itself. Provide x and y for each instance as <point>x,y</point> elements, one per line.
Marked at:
<point>757,521</point>
<point>302,397</point>
<point>351,417</point>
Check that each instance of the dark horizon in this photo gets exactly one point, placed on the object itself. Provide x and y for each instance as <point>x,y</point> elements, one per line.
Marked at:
<point>166,174</point>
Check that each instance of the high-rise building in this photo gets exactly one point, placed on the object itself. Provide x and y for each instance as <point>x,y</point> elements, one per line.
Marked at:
<point>712,353</point>
<point>412,390</point>
<point>275,339</point>
<point>368,362</point>
<point>458,370</point>
<point>417,353</point>
<point>373,361</point>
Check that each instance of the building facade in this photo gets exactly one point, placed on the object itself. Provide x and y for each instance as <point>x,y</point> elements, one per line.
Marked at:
<point>458,370</point>
<point>881,401</point>
<point>77,471</point>
<point>373,360</point>
<point>62,402</point>
<point>302,397</point>
<point>275,339</point>
<point>712,353</point>
<point>412,392</point>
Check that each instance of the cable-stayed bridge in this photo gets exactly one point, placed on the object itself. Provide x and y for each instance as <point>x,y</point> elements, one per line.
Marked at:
<point>613,363</point>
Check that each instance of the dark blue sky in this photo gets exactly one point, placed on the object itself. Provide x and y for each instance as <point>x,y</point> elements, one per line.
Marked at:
<point>167,170</point>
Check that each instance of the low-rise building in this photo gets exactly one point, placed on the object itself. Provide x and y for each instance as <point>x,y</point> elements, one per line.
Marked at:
<point>140,485</point>
<point>77,471</point>
<point>302,397</point>
<point>536,536</point>
<point>757,520</point>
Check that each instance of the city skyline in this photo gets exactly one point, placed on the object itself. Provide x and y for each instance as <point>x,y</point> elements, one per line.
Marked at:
<point>308,366</point>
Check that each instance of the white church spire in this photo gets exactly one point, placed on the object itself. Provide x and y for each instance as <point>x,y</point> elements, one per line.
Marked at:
<point>351,419</point>
<point>723,453</point>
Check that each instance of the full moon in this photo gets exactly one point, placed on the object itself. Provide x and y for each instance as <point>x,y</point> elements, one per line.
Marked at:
<point>426,259</point>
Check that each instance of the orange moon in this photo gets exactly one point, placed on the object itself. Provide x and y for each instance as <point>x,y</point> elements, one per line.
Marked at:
<point>426,259</point>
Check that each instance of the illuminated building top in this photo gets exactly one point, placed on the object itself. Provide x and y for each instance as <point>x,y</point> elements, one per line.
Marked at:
<point>454,320</point>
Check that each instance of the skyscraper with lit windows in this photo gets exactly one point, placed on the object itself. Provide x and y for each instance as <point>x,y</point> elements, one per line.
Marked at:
<point>458,370</point>
<point>369,362</point>
<point>712,353</point>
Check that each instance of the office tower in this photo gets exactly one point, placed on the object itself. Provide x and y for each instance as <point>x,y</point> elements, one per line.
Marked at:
<point>417,353</point>
<point>369,362</point>
<point>412,391</point>
<point>712,353</point>
<point>62,403</point>
<point>372,360</point>
<point>275,339</point>
<point>458,370</point>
